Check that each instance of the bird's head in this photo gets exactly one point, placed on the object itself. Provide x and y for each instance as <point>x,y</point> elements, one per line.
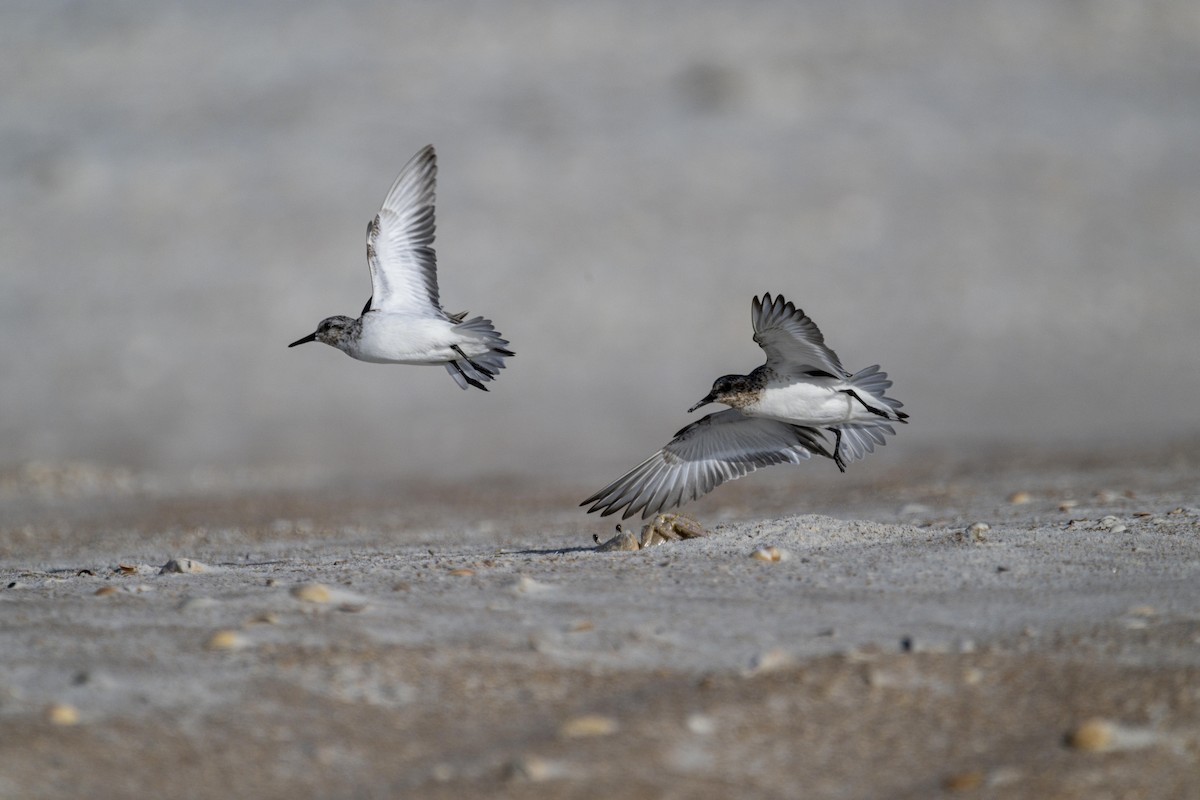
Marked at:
<point>333,331</point>
<point>732,390</point>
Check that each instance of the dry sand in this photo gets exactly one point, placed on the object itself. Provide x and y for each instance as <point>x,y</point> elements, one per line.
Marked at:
<point>469,642</point>
<point>995,201</point>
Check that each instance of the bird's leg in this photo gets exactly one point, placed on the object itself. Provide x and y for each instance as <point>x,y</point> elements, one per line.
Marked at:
<point>874,411</point>
<point>467,377</point>
<point>837,449</point>
<point>482,370</point>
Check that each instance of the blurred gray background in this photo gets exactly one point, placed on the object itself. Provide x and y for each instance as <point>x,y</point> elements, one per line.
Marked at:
<point>998,202</point>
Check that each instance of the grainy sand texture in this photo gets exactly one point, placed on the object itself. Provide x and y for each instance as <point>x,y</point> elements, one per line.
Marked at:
<point>1024,629</point>
<point>381,586</point>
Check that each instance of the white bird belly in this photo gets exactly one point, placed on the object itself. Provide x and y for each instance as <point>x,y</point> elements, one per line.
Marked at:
<point>404,339</point>
<point>804,404</point>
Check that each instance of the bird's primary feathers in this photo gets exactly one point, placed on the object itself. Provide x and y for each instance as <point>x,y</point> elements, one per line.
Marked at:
<point>779,413</point>
<point>403,322</point>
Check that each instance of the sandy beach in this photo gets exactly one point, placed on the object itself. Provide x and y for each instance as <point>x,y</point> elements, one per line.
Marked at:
<point>381,586</point>
<point>466,640</point>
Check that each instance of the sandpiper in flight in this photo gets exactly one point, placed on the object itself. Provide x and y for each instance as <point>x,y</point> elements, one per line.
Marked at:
<point>403,321</point>
<point>778,414</point>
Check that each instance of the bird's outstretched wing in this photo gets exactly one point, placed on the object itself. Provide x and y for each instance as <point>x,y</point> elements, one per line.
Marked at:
<point>793,342</point>
<point>719,447</point>
<point>400,243</point>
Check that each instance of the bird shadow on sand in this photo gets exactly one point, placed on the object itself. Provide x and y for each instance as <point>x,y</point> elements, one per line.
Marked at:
<point>553,551</point>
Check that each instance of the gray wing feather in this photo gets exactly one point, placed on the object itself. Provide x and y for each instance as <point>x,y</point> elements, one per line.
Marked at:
<point>400,242</point>
<point>860,438</point>
<point>717,448</point>
<point>793,342</point>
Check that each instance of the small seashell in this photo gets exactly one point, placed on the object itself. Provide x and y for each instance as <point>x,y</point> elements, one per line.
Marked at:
<point>311,592</point>
<point>769,661</point>
<point>534,769</point>
<point>770,554</point>
<point>1067,505</point>
<point>127,569</point>
<point>183,565</point>
<point>226,640</point>
<point>523,584</point>
<point>963,781</point>
<point>197,603</point>
<point>1020,498</point>
<point>976,530</point>
<point>1118,528</point>
<point>1093,735</point>
<point>106,590</point>
<point>588,725</point>
<point>462,572</point>
<point>62,714</point>
<point>320,594</point>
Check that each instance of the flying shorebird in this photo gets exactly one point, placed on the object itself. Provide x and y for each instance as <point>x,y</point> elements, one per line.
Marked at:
<point>403,321</point>
<point>779,414</point>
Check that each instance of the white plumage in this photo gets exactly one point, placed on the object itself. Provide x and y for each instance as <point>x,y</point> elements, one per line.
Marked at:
<point>403,322</point>
<point>779,413</point>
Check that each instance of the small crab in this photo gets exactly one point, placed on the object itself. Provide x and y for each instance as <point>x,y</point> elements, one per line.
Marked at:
<point>669,527</point>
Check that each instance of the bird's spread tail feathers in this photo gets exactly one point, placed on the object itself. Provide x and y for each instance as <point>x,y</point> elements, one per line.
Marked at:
<point>855,440</point>
<point>869,386</point>
<point>475,370</point>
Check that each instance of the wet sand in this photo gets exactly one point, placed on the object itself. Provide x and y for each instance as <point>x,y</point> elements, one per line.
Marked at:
<point>465,640</point>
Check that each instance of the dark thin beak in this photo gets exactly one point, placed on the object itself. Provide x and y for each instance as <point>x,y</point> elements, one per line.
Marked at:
<point>708,398</point>
<point>312,337</point>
